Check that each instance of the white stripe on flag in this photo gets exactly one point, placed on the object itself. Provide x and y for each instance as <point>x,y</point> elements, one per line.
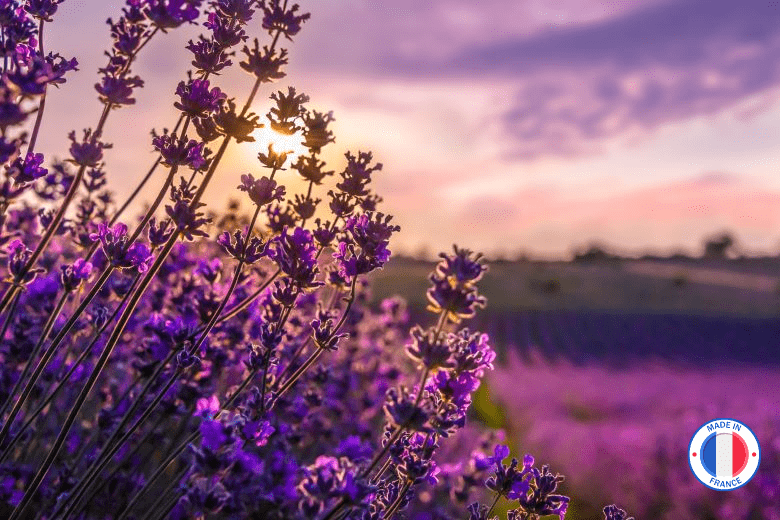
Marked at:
<point>724,455</point>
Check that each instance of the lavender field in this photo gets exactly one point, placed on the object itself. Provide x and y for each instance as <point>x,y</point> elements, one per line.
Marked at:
<point>610,385</point>
<point>624,433</point>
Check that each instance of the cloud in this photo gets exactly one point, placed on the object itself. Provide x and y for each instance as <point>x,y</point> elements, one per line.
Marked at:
<point>578,74</point>
<point>579,87</point>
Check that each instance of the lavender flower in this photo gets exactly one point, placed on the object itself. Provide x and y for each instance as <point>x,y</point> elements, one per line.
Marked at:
<point>289,109</point>
<point>185,214</point>
<point>224,32</point>
<point>27,170</point>
<point>196,99</point>
<point>316,134</point>
<point>266,64</point>
<point>613,512</point>
<point>74,274</point>
<point>453,288</point>
<point>233,124</point>
<point>169,14</point>
<point>236,246</point>
<point>42,9</point>
<point>357,174</point>
<point>365,248</point>
<point>88,152</point>
<point>277,18</point>
<point>118,91</point>
<point>117,249</point>
<point>261,191</point>
<point>18,256</point>
<point>273,160</point>
<point>180,151</point>
<point>311,169</point>
<point>296,255</point>
<point>209,57</point>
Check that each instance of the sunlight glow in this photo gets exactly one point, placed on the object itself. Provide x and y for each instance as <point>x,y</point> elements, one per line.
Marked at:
<point>281,143</point>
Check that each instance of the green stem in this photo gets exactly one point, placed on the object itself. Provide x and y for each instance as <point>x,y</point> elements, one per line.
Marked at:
<point>34,378</point>
<point>35,484</point>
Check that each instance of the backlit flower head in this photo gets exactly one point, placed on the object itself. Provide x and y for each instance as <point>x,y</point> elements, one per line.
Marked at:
<point>224,32</point>
<point>265,64</point>
<point>209,57</point>
<point>316,133</point>
<point>289,109</point>
<point>261,191</point>
<point>186,214</point>
<point>311,168</point>
<point>118,91</point>
<point>286,21</point>
<point>169,14</point>
<point>180,151</point>
<point>357,174</point>
<point>88,151</point>
<point>74,274</point>
<point>613,512</point>
<point>42,9</point>
<point>233,124</point>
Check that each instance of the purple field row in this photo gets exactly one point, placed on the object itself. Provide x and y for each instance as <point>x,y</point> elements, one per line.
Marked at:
<point>623,434</point>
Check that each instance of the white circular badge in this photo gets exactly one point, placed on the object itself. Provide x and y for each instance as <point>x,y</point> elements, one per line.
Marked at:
<point>724,454</point>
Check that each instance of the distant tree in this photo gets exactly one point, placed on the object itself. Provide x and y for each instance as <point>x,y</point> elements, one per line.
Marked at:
<point>594,253</point>
<point>719,246</point>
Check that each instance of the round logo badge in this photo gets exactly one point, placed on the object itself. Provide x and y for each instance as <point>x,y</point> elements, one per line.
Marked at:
<point>724,454</point>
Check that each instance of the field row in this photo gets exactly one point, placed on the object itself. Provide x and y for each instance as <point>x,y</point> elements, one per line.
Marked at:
<point>586,336</point>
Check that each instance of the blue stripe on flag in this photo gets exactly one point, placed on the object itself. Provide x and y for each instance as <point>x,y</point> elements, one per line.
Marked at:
<point>709,454</point>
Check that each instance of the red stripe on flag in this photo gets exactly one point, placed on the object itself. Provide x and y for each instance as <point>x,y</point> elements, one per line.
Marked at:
<point>739,453</point>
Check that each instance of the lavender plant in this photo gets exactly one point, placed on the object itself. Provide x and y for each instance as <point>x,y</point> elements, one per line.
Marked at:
<point>189,366</point>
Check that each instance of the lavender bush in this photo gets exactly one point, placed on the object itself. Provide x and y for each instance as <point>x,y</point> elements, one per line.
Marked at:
<point>192,365</point>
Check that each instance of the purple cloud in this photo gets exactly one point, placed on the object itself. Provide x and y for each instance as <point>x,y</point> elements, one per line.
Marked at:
<point>578,87</point>
<point>577,84</point>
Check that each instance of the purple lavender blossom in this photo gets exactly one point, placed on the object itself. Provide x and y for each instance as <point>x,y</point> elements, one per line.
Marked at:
<point>209,57</point>
<point>266,64</point>
<point>88,152</point>
<point>180,151</point>
<point>224,32</point>
<point>74,274</point>
<point>18,256</point>
<point>236,246</point>
<point>42,9</point>
<point>118,91</point>
<point>296,255</point>
<point>196,99</point>
<point>357,174</point>
<point>169,14</point>
<point>261,191</point>
<point>277,18</point>
<point>117,249</point>
<point>365,246</point>
<point>613,512</point>
<point>28,170</point>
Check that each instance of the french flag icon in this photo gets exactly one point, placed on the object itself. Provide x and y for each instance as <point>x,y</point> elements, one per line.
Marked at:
<point>724,455</point>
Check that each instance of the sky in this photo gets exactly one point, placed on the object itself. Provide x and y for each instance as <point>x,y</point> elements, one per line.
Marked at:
<point>505,126</point>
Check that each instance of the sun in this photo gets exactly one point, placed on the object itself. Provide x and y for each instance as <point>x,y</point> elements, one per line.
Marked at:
<point>281,143</point>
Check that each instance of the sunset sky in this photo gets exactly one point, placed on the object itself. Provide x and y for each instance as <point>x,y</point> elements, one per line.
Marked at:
<point>504,125</point>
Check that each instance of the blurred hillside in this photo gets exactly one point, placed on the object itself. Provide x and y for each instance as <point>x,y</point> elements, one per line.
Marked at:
<point>747,287</point>
<point>713,311</point>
